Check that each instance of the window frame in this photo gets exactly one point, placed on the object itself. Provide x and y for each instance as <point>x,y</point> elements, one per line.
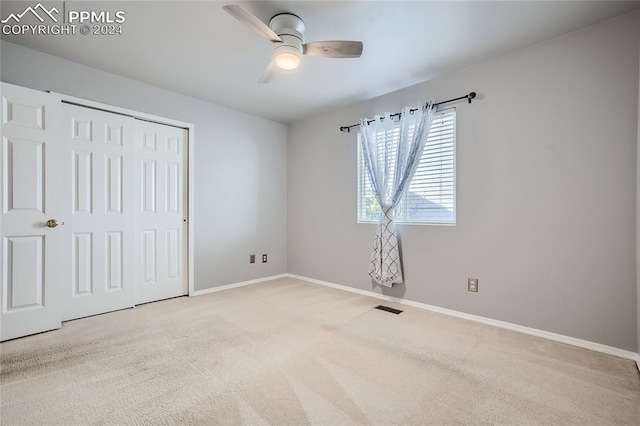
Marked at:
<point>361,181</point>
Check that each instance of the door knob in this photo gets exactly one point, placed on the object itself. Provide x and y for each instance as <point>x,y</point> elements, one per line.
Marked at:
<point>52,223</point>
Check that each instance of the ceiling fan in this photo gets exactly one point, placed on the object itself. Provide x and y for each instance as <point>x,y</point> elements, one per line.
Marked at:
<point>286,32</point>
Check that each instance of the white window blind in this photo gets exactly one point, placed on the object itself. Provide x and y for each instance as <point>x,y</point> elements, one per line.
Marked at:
<point>431,196</point>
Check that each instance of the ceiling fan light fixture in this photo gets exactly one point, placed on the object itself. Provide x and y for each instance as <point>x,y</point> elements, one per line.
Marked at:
<point>287,60</point>
<point>288,56</point>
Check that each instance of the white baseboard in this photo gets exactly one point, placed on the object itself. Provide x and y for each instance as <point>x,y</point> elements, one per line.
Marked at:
<point>496,323</point>
<point>234,285</point>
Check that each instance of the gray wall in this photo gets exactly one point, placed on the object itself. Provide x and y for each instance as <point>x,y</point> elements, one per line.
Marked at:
<point>240,163</point>
<point>638,219</point>
<point>546,191</point>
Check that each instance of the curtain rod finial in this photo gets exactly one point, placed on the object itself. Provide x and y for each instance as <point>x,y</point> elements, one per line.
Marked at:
<point>471,96</point>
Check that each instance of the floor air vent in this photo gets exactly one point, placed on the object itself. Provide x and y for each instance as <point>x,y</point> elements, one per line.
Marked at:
<point>388,309</point>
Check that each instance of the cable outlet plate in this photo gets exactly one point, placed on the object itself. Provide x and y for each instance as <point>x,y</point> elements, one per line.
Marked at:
<point>472,284</point>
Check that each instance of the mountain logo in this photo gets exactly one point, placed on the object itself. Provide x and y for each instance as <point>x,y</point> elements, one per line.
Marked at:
<point>34,11</point>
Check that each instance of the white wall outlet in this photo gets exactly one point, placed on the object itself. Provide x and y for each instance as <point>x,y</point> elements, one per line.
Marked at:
<point>472,284</point>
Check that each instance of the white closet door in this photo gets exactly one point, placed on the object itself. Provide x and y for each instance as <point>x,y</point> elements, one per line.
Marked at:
<point>99,233</point>
<point>161,202</point>
<point>30,193</point>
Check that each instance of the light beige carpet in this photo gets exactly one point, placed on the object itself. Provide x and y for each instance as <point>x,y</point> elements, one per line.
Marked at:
<point>291,353</point>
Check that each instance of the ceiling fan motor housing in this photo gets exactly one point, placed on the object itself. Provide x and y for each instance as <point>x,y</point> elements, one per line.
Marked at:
<point>290,28</point>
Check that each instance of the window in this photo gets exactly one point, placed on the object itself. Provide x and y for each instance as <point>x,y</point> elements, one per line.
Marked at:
<point>431,196</point>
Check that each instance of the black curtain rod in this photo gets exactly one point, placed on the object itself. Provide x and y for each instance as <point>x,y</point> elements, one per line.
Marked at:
<point>468,97</point>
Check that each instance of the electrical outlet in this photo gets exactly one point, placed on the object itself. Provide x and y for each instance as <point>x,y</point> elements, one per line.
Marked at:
<point>472,284</point>
<point>264,258</point>
<point>252,258</point>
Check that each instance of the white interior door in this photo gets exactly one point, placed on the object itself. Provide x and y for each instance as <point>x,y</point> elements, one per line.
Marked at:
<point>31,193</point>
<point>99,235</point>
<point>93,212</point>
<point>162,207</point>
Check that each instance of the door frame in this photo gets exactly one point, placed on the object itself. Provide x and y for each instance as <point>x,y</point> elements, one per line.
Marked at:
<point>189,164</point>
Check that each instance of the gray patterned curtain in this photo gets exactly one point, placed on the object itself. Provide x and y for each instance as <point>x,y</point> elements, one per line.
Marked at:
<point>392,149</point>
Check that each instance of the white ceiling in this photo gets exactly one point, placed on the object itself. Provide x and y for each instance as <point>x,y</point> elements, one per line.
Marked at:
<point>197,49</point>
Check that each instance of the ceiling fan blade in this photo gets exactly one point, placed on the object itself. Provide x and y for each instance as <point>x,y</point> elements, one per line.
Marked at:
<point>269,73</point>
<point>334,49</point>
<point>251,21</point>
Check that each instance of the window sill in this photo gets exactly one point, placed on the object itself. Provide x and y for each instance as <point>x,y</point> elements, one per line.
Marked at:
<point>371,222</point>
